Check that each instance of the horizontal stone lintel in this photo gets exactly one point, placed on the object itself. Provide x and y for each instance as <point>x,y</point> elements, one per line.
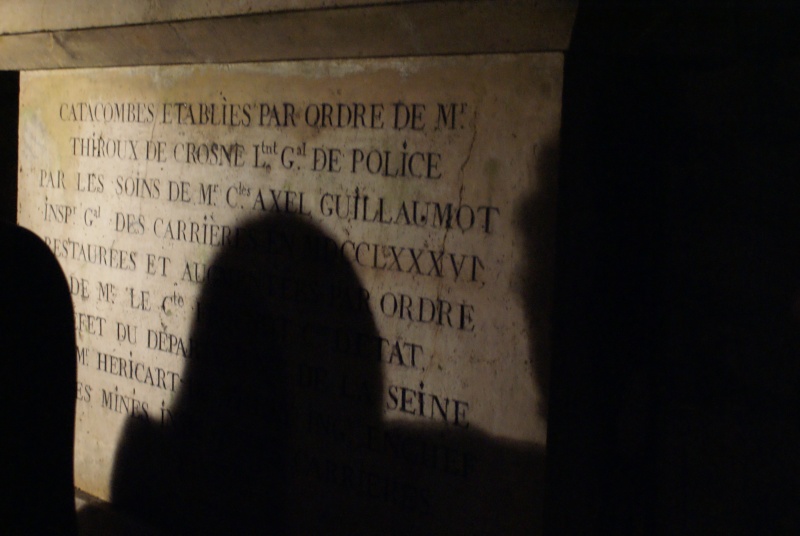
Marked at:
<point>26,16</point>
<point>406,29</point>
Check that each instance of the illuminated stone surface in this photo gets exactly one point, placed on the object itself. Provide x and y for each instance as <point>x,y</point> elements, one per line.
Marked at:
<point>389,221</point>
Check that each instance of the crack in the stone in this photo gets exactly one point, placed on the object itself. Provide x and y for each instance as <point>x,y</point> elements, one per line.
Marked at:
<point>469,154</point>
<point>62,44</point>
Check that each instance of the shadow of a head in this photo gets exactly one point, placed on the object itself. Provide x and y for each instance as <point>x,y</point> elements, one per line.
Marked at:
<point>282,331</point>
<point>279,423</point>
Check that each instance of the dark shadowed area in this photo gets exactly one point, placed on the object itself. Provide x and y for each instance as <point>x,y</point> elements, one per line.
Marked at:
<point>676,386</point>
<point>278,427</point>
<point>38,400</point>
<point>9,119</point>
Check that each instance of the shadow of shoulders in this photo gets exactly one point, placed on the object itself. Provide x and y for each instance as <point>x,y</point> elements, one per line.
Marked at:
<point>278,426</point>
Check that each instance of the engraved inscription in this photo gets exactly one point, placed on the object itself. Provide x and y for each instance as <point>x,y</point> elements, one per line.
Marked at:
<point>323,261</point>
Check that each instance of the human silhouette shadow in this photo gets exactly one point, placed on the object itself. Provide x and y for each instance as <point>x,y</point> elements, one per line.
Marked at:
<point>38,400</point>
<point>278,427</point>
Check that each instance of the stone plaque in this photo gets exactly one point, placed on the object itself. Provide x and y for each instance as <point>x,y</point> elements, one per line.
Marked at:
<point>307,294</point>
